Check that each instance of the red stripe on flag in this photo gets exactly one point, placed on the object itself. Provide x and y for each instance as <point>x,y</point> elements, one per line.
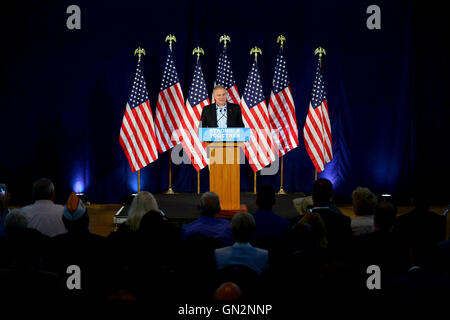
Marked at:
<point>131,144</point>
<point>144,128</point>
<point>149,121</point>
<point>184,116</point>
<point>127,154</point>
<point>173,125</point>
<point>161,136</point>
<point>284,100</point>
<point>274,125</point>
<point>133,128</point>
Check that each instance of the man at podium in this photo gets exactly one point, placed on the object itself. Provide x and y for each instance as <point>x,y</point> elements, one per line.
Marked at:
<point>221,114</point>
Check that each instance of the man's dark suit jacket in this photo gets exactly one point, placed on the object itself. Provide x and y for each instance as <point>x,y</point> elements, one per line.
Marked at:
<point>420,226</point>
<point>339,230</point>
<point>234,116</point>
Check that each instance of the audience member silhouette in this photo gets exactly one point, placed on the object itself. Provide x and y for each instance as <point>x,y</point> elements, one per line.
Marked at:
<point>22,276</point>
<point>207,223</point>
<point>338,226</point>
<point>242,252</point>
<point>270,227</point>
<point>159,243</point>
<point>422,279</point>
<point>79,247</point>
<point>126,242</point>
<point>142,203</point>
<point>44,215</point>
<point>318,229</point>
<point>364,204</point>
<point>150,257</point>
<point>228,291</point>
<point>196,268</point>
<point>380,247</point>
<point>421,225</point>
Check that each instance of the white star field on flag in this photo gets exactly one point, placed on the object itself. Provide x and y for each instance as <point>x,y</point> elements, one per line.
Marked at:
<point>253,93</point>
<point>197,93</point>
<point>318,92</point>
<point>280,80</point>
<point>139,92</point>
<point>170,76</point>
<point>224,73</point>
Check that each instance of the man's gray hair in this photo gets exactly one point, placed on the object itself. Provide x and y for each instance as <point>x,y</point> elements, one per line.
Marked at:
<point>43,189</point>
<point>14,221</point>
<point>219,86</point>
<point>209,204</point>
<point>243,226</point>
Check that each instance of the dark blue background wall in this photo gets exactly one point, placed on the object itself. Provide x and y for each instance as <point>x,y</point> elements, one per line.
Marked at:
<point>63,92</point>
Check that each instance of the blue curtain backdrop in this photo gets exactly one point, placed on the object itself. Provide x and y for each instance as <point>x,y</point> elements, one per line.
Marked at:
<point>63,92</point>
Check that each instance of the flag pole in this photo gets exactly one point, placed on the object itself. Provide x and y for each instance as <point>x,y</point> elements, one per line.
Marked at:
<point>139,180</point>
<point>170,191</point>
<point>320,51</point>
<point>281,39</point>
<point>139,51</point>
<point>198,51</point>
<point>255,50</point>
<point>281,191</point>
<point>170,38</point>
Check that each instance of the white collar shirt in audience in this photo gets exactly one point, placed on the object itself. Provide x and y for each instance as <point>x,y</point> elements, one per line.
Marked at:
<point>46,217</point>
<point>363,224</point>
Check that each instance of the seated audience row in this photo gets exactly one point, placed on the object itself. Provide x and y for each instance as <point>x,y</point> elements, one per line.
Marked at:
<point>253,256</point>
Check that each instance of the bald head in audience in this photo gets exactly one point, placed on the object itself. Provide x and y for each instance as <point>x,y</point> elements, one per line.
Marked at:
<point>228,291</point>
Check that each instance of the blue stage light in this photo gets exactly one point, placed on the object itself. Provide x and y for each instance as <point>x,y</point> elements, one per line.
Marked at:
<point>78,186</point>
<point>331,173</point>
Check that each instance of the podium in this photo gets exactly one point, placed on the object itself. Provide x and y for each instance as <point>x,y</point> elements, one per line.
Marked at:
<point>223,149</point>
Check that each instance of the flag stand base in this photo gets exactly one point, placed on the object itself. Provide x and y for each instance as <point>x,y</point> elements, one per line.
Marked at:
<point>281,191</point>
<point>170,191</point>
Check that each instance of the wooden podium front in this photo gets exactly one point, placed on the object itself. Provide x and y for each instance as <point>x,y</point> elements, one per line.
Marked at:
<point>224,175</point>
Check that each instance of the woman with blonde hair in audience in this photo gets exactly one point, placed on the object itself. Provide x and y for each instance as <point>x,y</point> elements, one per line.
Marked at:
<point>128,244</point>
<point>142,203</point>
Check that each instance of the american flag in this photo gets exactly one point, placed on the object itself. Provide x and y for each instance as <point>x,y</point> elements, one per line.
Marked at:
<point>282,110</point>
<point>224,77</point>
<point>259,150</point>
<point>197,99</point>
<point>169,108</point>
<point>137,133</point>
<point>317,130</point>
<point>198,96</point>
<point>174,122</point>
